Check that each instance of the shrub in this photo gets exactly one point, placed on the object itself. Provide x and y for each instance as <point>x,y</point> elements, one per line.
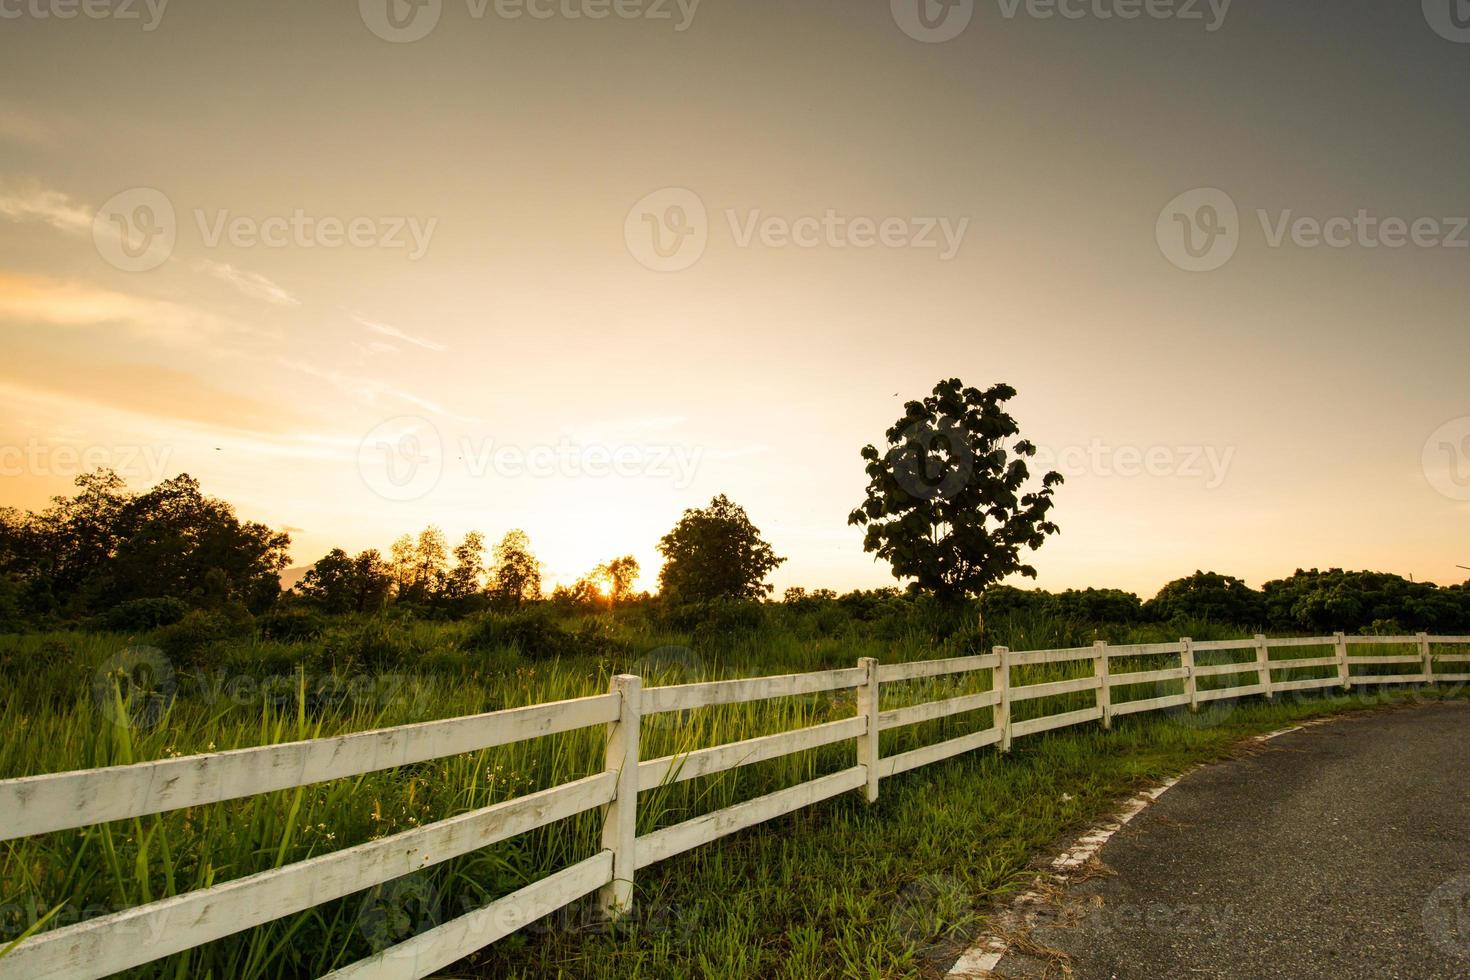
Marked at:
<point>189,640</point>
<point>530,630</point>
<point>291,625</point>
<point>373,643</point>
<point>143,614</point>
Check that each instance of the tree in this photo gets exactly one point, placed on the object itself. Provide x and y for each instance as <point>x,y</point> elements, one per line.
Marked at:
<point>421,567</point>
<point>715,553</point>
<point>105,546</point>
<point>1209,596</point>
<point>372,580</point>
<point>619,575</point>
<point>341,584</point>
<point>517,575</point>
<point>331,582</point>
<point>947,504</point>
<point>469,567</point>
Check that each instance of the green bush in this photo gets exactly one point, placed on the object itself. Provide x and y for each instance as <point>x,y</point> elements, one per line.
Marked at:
<point>291,624</point>
<point>532,631</point>
<point>188,642</point>
<point>373,643</point>
<point>143,614</point>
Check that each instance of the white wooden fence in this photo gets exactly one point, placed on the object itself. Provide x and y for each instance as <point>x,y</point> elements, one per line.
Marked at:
<point>123,940</point>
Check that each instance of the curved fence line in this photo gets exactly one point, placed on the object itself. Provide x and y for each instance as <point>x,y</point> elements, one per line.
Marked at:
<point>98,947</point>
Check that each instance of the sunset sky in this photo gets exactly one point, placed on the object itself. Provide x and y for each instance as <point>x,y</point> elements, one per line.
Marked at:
<point>480,250</point>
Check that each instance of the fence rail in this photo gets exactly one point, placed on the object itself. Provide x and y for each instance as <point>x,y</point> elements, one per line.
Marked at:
<point>98,947</point>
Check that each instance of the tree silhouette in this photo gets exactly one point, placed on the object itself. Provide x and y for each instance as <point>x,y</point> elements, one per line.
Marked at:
<point>715,553</point>
<point>946,500</point>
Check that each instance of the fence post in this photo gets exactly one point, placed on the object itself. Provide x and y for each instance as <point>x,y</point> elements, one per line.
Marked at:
<point>1428,658</point>
<point>1105,690</point>
<point>1263,665</point>
<point>1002,683</point>
<point>1191,683</point>
<point>620,817</point>
<point>1344,678</point>
<point>867,707</point>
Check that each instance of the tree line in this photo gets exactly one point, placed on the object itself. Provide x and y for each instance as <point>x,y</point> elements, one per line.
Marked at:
<point>950,504</point>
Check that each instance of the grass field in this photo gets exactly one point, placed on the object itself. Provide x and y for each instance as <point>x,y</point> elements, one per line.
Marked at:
<point>841,889</point>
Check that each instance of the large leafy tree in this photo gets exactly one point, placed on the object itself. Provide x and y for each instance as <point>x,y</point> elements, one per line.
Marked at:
<point>715,552</point>
<point>341,584</point>
<point>1209,596</point>
<point>950,501</point>
<point>105,545</point>
<point>517,572</point>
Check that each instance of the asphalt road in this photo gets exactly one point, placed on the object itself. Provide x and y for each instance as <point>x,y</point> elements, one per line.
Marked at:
<point>1342,850</point>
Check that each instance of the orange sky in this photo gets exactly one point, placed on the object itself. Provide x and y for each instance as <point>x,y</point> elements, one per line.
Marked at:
<point>590,272</point>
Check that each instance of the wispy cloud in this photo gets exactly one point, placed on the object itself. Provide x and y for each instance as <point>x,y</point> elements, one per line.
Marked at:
<point>252,284</point>
<point>388,330</point>
<point>21,127</point>
<point>366,389</point>
<point>29,201</point>
<point>71,304</point>
<point>32,202</point>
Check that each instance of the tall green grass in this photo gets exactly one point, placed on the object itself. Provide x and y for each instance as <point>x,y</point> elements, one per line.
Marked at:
<point>248,692</point>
